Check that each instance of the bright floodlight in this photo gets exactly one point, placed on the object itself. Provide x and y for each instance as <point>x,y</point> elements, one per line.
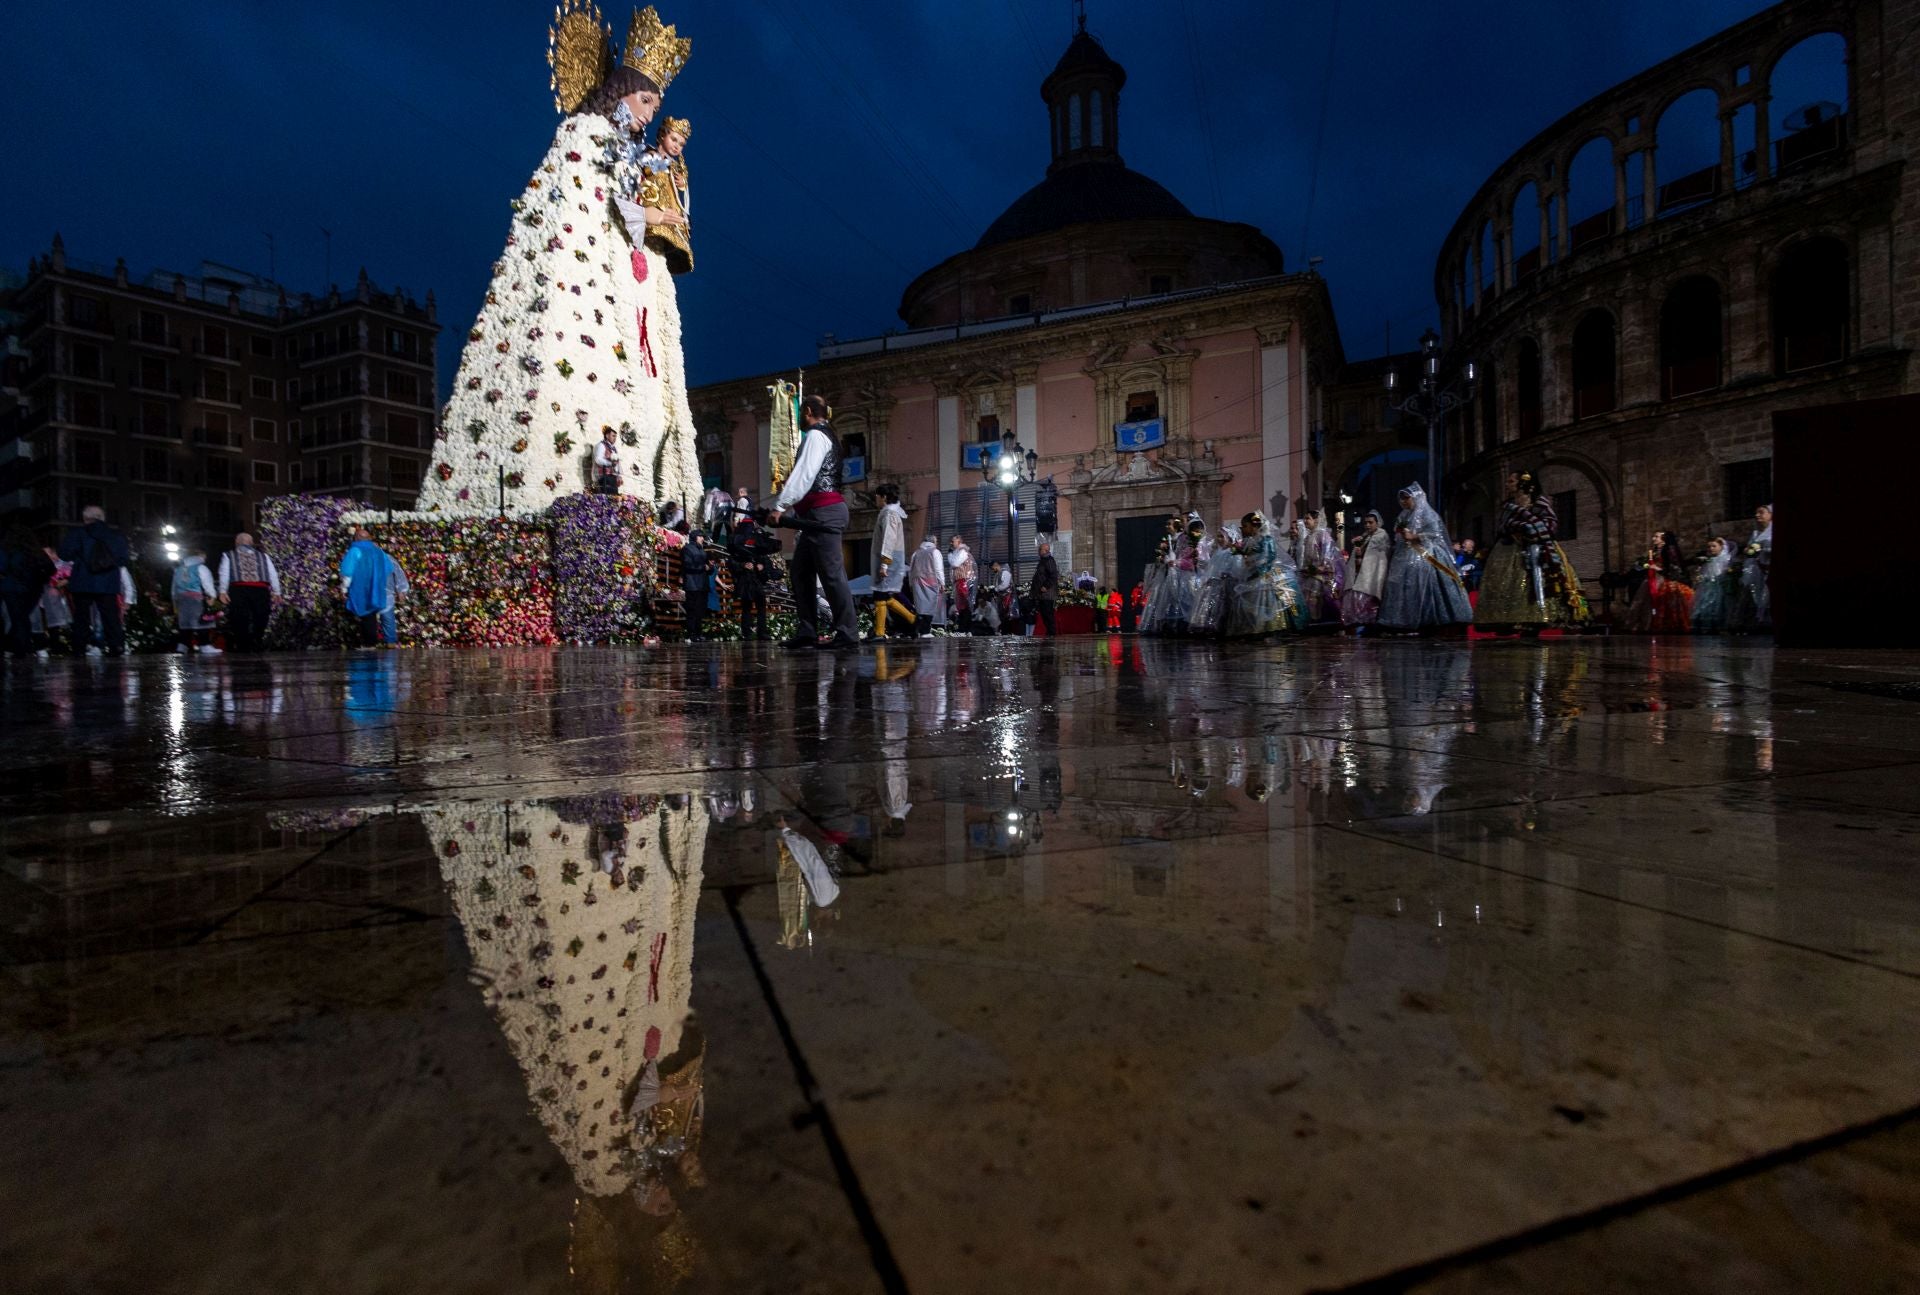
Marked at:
<point>1006,462</point>
<point>1007,478</point>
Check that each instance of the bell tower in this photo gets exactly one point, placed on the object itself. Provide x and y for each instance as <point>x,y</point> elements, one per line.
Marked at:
<point>1082,95</point>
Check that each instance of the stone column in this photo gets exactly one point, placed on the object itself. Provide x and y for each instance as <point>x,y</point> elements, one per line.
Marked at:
<point>1727,172</point>
<point>1649,183</point>
<point>1762,139</point>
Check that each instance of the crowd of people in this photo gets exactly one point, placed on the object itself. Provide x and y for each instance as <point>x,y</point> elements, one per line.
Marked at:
<point>77,598</point>
<point>1412,577</point>
<point>1244,582</point>
<point>74,599</point>
<point>1241,581</point>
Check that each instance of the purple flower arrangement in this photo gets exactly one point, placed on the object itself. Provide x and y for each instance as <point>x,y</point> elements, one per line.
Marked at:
<point>602,568</point>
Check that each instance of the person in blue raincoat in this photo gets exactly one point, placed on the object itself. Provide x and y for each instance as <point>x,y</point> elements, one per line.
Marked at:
<point>365,576</point>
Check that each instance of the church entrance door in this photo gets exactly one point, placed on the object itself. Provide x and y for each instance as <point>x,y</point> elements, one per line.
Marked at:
<point>1136,540</point>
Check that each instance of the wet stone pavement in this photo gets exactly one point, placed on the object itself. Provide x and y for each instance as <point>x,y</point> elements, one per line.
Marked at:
<point>964,966</point>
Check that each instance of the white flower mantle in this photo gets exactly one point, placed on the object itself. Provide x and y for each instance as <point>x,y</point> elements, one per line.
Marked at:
<point>587,978</point>
<point>558,351</point>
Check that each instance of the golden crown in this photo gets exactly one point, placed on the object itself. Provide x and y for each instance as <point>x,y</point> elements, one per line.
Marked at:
<point>676,126</point>
<point>579,53</point>
<point>654,49</point>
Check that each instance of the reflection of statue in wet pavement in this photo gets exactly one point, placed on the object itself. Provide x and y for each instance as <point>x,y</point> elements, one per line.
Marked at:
<point>579,918</point>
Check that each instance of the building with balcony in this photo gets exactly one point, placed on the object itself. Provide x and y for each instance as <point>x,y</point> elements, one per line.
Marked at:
<point>189,400</point>
<point>1731,233</point>
<point>1153,361</point>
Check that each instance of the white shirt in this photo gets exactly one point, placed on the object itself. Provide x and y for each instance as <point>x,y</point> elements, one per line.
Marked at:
<point>606,456</point>
<point>820,883</point>
<point>806,466</point>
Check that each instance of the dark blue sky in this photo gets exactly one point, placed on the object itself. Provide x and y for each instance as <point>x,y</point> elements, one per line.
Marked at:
<point>172,133</point>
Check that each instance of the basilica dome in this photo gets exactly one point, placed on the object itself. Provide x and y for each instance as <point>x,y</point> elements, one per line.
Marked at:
<point>1093,230</point>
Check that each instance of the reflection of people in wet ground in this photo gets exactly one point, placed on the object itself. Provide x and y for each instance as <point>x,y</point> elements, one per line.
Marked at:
<point>805,883</point>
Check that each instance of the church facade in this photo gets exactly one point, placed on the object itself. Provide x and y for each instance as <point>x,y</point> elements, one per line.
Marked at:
<point>1151,361</point>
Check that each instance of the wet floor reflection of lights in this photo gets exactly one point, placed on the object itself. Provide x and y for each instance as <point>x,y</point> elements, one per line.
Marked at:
<point>990,965</point>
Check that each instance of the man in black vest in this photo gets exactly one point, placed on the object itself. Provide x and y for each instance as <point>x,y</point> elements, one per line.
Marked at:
<point>812,495</point>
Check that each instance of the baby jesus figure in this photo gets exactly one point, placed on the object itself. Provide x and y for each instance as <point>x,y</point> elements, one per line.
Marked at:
<point>663,186</point>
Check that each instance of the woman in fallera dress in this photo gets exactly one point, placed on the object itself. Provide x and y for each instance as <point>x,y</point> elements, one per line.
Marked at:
<point>1181,590</point>
<point>1321,572</point>
<point>1528,584</point>
<point>1153,612</point>
<point>1424,590</point>
<point>1366,574</point>
<point>1664,603</point>
<point>1753,609</point>
<point>1713,588</point>
<point>1267,600</point>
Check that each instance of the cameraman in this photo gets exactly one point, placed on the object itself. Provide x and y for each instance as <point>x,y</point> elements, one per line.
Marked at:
<point>750,552</point>
<point>812,495</point>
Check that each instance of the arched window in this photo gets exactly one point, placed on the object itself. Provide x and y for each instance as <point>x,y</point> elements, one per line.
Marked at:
<point>1096,121</point>
<point>1076,116</point>
<point>1526,232</point>
<point>1528,410</point>
<point>1690,338</point>
<point>1594,390</point>
<point>1590,193</point>
<point>1812,305</point>
<point>1686,157</point>
<point>1808,101</point>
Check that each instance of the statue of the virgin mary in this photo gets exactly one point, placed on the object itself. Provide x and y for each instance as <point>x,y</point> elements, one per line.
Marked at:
<point>581,328</point>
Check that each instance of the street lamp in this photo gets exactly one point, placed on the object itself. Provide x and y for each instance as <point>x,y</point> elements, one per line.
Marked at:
<point>1431,400</point>
<point>1010,469</point>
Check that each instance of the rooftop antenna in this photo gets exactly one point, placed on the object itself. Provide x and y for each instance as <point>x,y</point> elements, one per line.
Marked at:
<point>1079,16</point>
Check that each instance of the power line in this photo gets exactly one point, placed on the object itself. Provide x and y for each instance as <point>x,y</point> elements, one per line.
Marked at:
<point>707,109</point>
<point>878,123</point>
<point>1026,30</point>
<point>1320,131</point>
<point>1200,97</point>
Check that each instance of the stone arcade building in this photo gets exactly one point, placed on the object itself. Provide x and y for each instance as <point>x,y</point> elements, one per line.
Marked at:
<point>1733,232</point>
<point>1155,361</point>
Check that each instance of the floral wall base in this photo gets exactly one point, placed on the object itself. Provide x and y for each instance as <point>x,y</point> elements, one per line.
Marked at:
<point>581,572</point>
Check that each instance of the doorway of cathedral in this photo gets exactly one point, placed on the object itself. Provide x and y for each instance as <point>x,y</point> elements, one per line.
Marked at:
<point>1136,541</point>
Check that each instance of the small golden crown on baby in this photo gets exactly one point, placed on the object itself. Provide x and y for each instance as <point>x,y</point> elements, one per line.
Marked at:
<point>654,49</point>
<point>676,126</point>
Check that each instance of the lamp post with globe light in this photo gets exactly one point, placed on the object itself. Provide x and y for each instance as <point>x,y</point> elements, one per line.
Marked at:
<point>1010,469</point>
<point>1431,400</point>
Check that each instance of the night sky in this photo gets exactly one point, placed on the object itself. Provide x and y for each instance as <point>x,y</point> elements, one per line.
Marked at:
<point>169,134</point>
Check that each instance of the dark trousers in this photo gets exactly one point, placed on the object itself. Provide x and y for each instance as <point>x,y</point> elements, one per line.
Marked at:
<point>817,559</point>
<point>696,612</point>
<point>19,616</point>
<point>751,590</point>
<point>109,607</point>
<point>248,609</point>
<point>1044,607</point>
<point>368,627</point>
